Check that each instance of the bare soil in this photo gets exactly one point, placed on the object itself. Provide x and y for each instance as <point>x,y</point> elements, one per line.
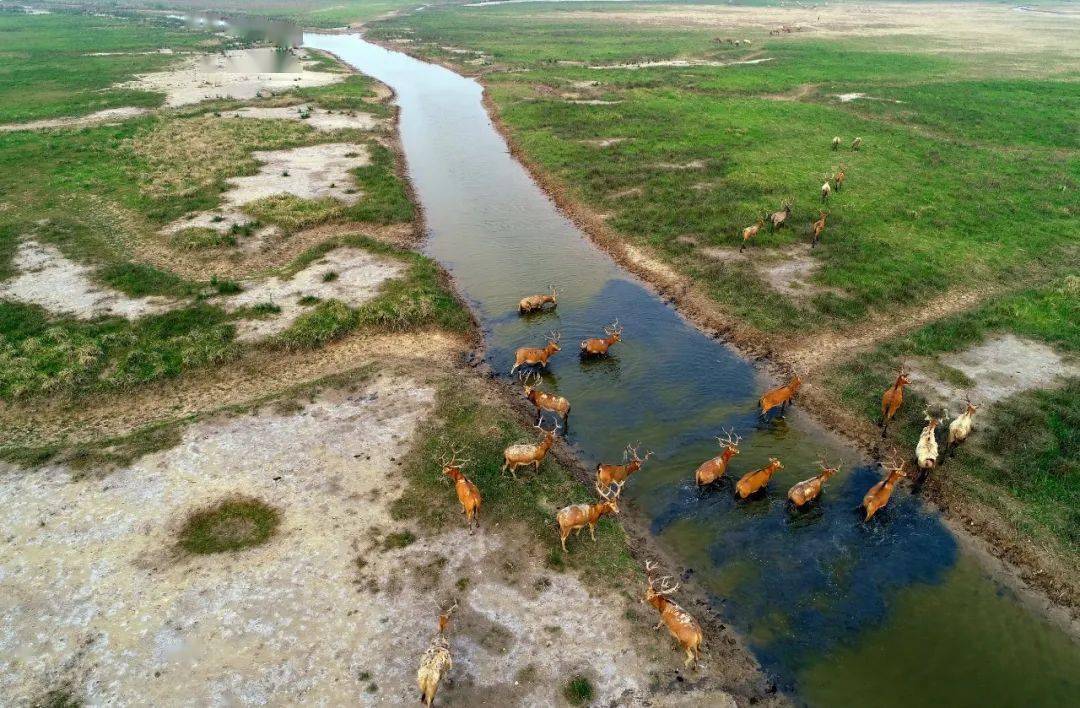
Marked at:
<point>318,118</point>
<point>105,117</point>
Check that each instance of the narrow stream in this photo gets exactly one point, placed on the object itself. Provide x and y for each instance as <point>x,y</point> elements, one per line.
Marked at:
<point>835,609</point>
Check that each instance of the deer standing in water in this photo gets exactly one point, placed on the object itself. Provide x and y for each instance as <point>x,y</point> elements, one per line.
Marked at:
<point>781,395</point>
<point>683,627</point>
<point>531,356</point>
<point>535,303</point>
<point>524,454</point>
<point>436,660</point>
<point>808,490</point>
<point>961,428</point>
<point>818,226</point>
<point>778,218</point>
<point>712,470</point>
<point>879,494</point>
<point>577,516</point>
<point>755,481</point>
<point>926,450</point>
<point>612,474</point>
<point>892,399</point>
<point>598,346</point>
<point>545,401</point>
<point>750,232</point>
<point>467,493</point>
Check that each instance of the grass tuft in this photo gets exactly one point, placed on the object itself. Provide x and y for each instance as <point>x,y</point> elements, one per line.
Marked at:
<point>578,691</point>
<point>229,525</point>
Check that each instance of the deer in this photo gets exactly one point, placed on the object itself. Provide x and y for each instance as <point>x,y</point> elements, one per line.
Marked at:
<point>755,481</point>
<point>545,401</point>
<point>530,356</point>
<point>535,303</point>
<point>750,232</point>
<point>612,474</point>
<point>713,469</point>
<point>524,454</point>
<point>826,189</point>
<point>818,226</point>
<point>577,516</point>
<point>808,490</point>
<point>436,661</point>
<point>838,178</point>
<point>467,493</point>
<point>781,395</point>
<point>926,450</point>
<point>961,428</point>
<point>878,495</point>
<point>684,628</point>
<point>836,143</point>
<point>778,218</point>
<point>598,346</point>
<point>892,399</point>
<point>856,144</point>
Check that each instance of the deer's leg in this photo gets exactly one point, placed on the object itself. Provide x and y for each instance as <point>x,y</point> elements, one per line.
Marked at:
<point>562,537</point>
<point>659,625</point>
<point>592,531</point>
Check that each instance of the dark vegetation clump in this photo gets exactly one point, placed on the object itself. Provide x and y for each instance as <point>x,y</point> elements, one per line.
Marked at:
<point>578,691</point>
<point>229,525</point>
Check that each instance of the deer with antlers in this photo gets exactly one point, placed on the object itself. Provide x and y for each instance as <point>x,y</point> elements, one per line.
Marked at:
<point>818,226</point>
<point>808,490</point>
<point>750,232</point>
<point>536,303</point>
<point>599,346</point>
<point>467,492</point>
<point>524,454</point>
<point>612,474</point>
<point>961,428</point>
<point>545,401</point>
<point>781,395</point>
<point>436,661</point>
<point>532,356</point>
<point>683,627</point>
<point>778,218</point>
<point>878,495</point>
<point>577,516</point>
<point>838,179</point>
<point>753,482</point>
<point>892,399</point>
<point>926,450</point>
<point>712,470</point>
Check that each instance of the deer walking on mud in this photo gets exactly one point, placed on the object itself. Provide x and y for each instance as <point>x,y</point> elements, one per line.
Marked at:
<point>525,454</point>
<point>467,492</point>
<point>713,469</point>
<point>892,399</point>
<point>878,495</point>
<point>926,450</point>
<point>682,626</point>
<point>753,482</point>
<point>599,346</point>
<point>545,401</point>
<point>577,516</point>
<point>618,474</point>
<point>436,661</point>
<point>536,303</point>
<point>808,490</point>
<point>537,356</point>
<point>780,396</point>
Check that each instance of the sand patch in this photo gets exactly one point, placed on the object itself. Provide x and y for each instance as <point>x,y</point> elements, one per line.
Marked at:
<point>603,142</point>
<point>318,118</point>
<point>240,74</point>
<point>680,63</point>
<point>628,192</point>
<point>999,367</point>
<point>105,117</point>
<point>691,165</point>
<point>52,281</point>
<point>789,270</point>
<point>350,275</point>
<point>858,96</point>
<point>592,102</point>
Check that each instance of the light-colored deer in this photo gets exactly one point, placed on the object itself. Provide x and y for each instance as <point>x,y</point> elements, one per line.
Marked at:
<point>683,627</point>
<point>808,490</point>
<point>531,356</point>
<point>436,661</point>
<point>961,428</point>
<point>750,232</point>
<point>856,144</point>
<point>535,303</point>
<point>598,346</point>
<point>610,474</point>
<point>926,450</point>
<point>755,481</point>
<point>524,454</point>
<point>878,495</point>
<point>545,401</point>
<point>712,470</point>
<point>467,492</point>
<point>836,143</point>
<point>577,516</point>
<point>778,218</point>
<point>826,189</point>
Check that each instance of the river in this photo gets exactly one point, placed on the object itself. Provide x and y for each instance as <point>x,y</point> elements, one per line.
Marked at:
<point>839,612</point>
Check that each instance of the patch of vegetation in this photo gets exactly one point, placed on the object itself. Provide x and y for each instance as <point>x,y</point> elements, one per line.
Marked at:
<point>578,691</point>
<point>398,539</point>
<point>60,697</point>
<point>229,525</point>
<point>385,200</point>
<point>141,280</point>
<point>356,93</point>
<point>292,213</point>
<point>200,238</point>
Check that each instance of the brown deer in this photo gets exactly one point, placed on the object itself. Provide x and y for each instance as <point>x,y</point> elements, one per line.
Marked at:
<point>467,493</point>
<point>611,474</point>
<point>892,399</point>
<point>436,660</point>
<point>530,356</point>
<point>750,232</point>
<point>683,627</point>
<point>577,516</point>
<point>524,454</point>
<point>879,494</point>
<point>778,218</point>
<point>781,395</point>
<point>755,481</point>
<point>838,179</point>
<point>926,450</point>
<point>535,303</point>
<point>818,226</point>
<point>599,346</point>
<point>808,490</point>
<point>712,470</point>
<point>961,428</point>
<point>545,401</point>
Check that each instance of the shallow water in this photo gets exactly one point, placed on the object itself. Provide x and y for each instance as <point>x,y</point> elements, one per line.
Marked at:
<point>835,609</point>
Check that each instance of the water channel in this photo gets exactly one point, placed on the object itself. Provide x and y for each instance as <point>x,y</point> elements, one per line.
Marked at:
<point>839,612</point>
